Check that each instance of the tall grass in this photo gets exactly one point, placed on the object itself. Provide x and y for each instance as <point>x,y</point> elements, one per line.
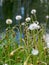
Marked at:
<point>32,48</point>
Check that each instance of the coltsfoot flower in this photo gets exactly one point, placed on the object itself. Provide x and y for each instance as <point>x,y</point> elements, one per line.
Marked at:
<point>18,17</point>
<point>28,19</point>
<point>35,52</point>
<point>33,11</point>
<point>8,21</point>
<point>47,17</point>
<point>47,45</point>
<point>34,26</point>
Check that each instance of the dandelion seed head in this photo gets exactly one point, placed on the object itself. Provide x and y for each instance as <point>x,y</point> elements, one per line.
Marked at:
<point>28,19</point>
<point>33,11</point>
<point>18,17</point>
<point>33,26</point>
<point>8,21</point>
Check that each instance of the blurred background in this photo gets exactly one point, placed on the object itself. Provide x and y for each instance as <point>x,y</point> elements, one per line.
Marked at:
<point>11,8</point>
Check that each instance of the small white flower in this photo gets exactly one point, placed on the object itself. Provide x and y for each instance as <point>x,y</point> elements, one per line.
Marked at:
<point>18,17</point>
<point>47,16</point>
<point>33,26</point>
<point>5,64</point>
<point>47,45</point>
<point>8,21</point>
<point>35,52</point>
<point>28,19</point>
<point>23,23</point>
<point>33,11</point>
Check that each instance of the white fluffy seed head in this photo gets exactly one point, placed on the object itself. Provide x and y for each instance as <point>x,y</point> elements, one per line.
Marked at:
<point>28,19</point>
<point>18,17</point>
<point>8,21</point>
<point>33,11</point>
<point>33,26</point>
